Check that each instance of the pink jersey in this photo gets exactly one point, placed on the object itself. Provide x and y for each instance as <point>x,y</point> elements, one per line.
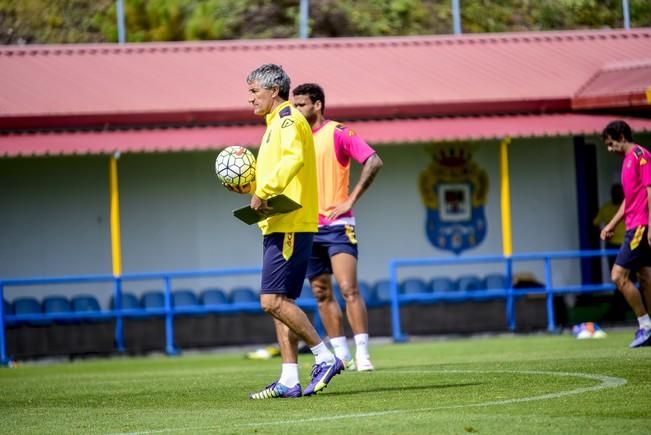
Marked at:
<point>335,146</point>
<point>636,177</point>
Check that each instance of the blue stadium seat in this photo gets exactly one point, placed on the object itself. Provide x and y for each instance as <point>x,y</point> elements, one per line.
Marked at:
<point>243,294</point>
<point>28,305</point>
<point>213,296</point>
<point>494,281</point>
<point>6,308</point>
<point>469,283</point>
<point>57,305</point>
<point>184,298</point>
<point>382,290</point>
<point>413,285</point>
<point>152,299</point>
<point>442,284</point>
<point>367,292</point>
<point>129,301</point>
<point>84,304</point>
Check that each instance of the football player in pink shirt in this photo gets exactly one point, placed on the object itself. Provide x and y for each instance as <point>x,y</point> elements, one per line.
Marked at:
<point>334,251</point>
<point>635,253</point>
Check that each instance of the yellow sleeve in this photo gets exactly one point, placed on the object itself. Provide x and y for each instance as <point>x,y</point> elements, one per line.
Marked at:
<point>289,163</point>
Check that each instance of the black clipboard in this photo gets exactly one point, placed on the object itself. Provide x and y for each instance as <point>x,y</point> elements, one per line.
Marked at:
<point>280,204</point>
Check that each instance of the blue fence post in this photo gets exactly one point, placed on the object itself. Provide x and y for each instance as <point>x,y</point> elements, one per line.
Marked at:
<point>398,336</point>
<point>119,319</point>
<point>170,349</point>
<point>549,291</point>
<point>510,298</point>
<point>3,344</point>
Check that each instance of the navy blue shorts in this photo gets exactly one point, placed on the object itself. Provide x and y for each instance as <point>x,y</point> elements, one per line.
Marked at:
<point>284,263</point>
<point>328,242</point>
<point>635,252</point>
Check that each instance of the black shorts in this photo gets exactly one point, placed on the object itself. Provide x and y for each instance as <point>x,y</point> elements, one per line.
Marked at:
<point>284,263</point>
<point>635,252</point>
<point>328,242</point>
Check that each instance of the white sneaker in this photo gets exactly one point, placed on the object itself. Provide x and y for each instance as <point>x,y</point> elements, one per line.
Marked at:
<point>350,365</point>
<point>364,365</point>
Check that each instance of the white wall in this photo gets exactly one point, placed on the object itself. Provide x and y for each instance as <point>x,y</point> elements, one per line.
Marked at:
<point>54,216</point>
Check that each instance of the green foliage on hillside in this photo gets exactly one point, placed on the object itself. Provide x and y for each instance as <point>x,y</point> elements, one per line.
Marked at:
<point>69,21</point>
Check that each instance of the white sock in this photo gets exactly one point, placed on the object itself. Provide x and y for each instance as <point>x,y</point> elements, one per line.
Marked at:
<point>644,321</point>
<point>361,346</point>
<point>322,354</point>
<point>340,346</point>
<point>289,375</point>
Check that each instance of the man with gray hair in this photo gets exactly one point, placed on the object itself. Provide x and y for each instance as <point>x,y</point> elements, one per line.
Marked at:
<point>286,164</point>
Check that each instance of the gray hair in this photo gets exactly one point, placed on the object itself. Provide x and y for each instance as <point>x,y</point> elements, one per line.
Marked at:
<point>270,75</point>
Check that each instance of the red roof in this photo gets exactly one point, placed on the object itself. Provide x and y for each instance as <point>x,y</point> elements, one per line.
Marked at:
<point>108,84</point>
<point>621,84</point>
<point>375,132</point>
<point>399,89</point>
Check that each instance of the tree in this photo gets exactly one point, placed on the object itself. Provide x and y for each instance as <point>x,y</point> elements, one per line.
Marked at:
<point>63,21</point>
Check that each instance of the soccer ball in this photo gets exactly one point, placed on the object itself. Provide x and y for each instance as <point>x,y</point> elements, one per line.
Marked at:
<point>235,166</point>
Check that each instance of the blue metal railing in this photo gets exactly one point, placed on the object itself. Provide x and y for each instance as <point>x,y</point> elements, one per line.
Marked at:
<point>509,294</point>
<point>168,311</point>
<point>119,314</point>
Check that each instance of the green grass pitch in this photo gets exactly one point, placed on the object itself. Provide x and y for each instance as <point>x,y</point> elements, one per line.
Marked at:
<point>539,384</point>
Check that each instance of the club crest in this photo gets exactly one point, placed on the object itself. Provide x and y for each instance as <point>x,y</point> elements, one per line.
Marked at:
<point>454,189</point>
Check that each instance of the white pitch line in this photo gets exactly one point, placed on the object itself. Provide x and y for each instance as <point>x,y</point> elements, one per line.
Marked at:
<point>606,382</point>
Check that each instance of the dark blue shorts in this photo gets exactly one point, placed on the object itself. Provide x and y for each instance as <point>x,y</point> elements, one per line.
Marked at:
<point>328,242</point>
<point>284,263</point>
<point>635,252</point>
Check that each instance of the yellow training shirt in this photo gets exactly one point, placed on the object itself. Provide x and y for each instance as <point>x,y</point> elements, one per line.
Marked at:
<point>286,164</point>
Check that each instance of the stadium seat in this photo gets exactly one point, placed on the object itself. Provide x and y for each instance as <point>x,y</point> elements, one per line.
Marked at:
<point>243,294</point>
<point>129,302</point>
<point>442,284</point>
<point>213,296</point>
<point>26,305</point>
<point>152,299</point>
<point>413,285</point>
<point>184,298</point>
<point>84,304</point>
<point>469,283</point>
<point>494,281</point>
<point>6,308</point>
<point>382,290</point>
<point>57,305</point>
<point>366,291</point>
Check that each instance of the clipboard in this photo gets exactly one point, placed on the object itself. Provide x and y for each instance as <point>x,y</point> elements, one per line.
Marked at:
<point>280,204</point>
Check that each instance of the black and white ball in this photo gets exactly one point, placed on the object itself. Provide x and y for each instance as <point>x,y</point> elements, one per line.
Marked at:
<point>235,166</point>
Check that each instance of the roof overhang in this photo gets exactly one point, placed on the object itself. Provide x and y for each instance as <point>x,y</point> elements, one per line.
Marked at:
<point>397,131</point>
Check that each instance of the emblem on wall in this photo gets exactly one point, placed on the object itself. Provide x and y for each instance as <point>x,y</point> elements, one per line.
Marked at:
<point>454,190</point>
